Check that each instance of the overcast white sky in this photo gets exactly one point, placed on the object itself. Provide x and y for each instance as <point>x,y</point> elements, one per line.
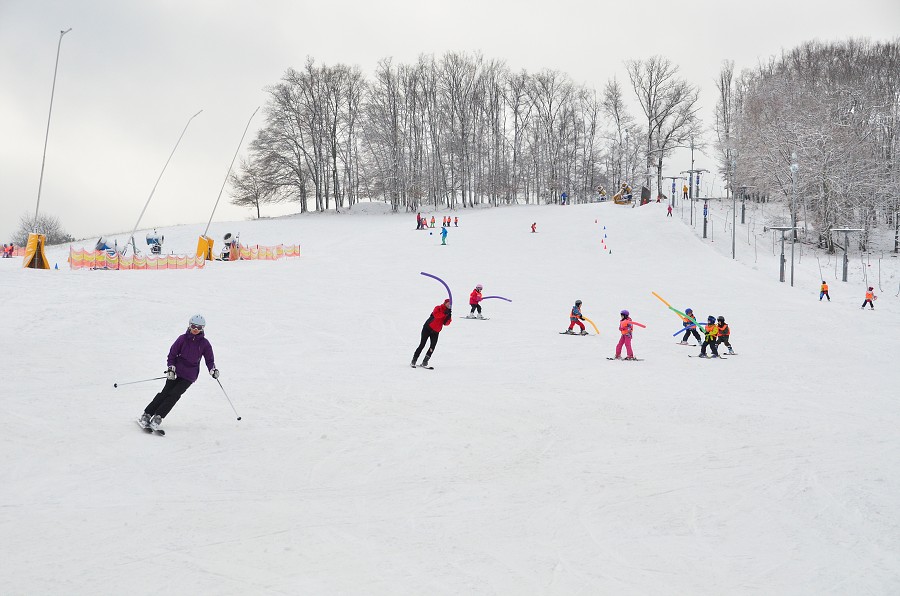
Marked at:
<point>132,73</point>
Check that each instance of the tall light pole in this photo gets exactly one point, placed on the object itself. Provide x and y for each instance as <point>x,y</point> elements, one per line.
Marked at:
<point>795,167</point>
<point>47,134</point>
<point>733,209</point>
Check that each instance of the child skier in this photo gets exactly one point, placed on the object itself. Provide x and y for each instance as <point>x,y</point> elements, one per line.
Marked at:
<point>183,370</point>
<point>444,236</point>
<point>575,318</point>
<point>440,318</point>
<point>534,227</point>
<point>625,329</point>
<point>455,222</point>
<point>711,332</point>
<point>723,333</point>
<point>823,292</point>
<point>432,221</point>
<point>870,297</point>
<point>475,302</point>
<point>689,327</point>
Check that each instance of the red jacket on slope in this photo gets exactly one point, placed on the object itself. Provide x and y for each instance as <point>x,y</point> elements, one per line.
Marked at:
<point>440,317</point>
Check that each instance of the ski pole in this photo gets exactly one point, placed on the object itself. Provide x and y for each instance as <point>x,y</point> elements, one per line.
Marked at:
<point>226,397</point>
<point>144,381</point>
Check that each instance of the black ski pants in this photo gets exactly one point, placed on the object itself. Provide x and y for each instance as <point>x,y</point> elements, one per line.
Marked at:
<point>166,399</point>
<point>689,332</point>
<point>869,302</point>
<point>723,339</point>
<point>712,345</point>
<point>474,308</point>
<point>427,334</point>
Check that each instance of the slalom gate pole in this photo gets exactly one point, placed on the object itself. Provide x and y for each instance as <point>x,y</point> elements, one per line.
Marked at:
<point>229,399</point>
<point>144,381</point>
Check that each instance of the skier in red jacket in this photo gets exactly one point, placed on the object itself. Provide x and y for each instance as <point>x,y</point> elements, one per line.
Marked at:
<point>440,318</point>
<point>475,299</point>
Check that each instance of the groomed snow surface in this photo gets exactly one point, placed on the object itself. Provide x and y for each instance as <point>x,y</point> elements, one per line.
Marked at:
<point>525,463</point>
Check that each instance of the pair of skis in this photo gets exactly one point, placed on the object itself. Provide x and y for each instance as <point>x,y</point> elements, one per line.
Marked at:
<point>150,431</point>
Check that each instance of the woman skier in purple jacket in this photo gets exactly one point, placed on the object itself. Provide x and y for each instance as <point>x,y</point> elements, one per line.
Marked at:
<point>183,370</point>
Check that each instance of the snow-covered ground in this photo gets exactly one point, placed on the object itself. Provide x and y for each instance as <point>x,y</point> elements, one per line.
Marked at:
<point>525,463</point>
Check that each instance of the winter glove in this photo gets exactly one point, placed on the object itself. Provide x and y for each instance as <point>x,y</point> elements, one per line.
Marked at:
<point>170,373</point>
<point>215,373</point>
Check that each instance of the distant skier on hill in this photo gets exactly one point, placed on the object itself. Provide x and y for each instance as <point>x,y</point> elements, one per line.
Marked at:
<point>534,227</point>
<point>689,327</point>
<point>475,299</point>
<point>870,298</point>
<point>723,333</point>
<point>183,369</point>
<point>626,329</point>
<point>443,236</point>
<point>710,335</point>
<point>823,292</point>
<point>575,318</point>
<point>440,318</point>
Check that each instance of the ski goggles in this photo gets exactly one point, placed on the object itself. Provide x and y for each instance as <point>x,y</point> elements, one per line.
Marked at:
<point>197,327</point>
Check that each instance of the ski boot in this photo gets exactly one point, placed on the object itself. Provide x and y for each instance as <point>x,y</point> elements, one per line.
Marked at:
<point>682,343</point>
<point>584,333</point>
<point>569,332</point>
<point>479,316</point>
<point>155,422</point>
<point>730,351</point>
<point>630,358</point>
<point>702,355</point>
<point>144,420</point>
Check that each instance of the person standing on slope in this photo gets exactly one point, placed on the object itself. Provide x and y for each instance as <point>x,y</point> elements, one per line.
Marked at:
<point>870,297</point>
<point>823,291</point>
<point>626,329</point>
<point>711,334</point>
<point>669,211</point>
<point>183,370</point>
<point>690,327</point>
<point>443,236</point>
<point>575,318</point>
<point>475,299</point>
<point>440,318</point>
<point>723,333</point>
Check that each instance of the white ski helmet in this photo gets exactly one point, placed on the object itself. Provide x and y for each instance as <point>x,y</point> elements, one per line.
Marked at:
<point>197,320</point>
<point>479,287</point>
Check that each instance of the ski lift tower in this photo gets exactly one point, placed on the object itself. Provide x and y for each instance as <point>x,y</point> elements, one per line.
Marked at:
<point>782,229</point>
<point>846,246</point>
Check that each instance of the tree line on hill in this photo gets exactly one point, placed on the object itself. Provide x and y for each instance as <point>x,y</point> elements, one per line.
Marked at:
<point>461,130</point>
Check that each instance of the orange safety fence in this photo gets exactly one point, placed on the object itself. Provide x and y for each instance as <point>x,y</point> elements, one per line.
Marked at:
<point>101,259</point>
<point>268,253</point>
<point>17,251</point>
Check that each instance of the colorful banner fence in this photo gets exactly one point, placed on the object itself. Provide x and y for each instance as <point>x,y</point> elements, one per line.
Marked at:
<point>99,259</point>
<point>268,253</point>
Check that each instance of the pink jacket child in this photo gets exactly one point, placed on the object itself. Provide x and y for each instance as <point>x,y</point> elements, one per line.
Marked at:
<point>475,299</point>
<point>626,329</point>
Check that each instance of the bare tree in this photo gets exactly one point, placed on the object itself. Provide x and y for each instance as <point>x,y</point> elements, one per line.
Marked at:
<point>48,225</point>
<point>669,105</point>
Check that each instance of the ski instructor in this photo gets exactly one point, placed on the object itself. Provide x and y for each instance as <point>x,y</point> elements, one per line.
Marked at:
<point>440,318</point>
<point>183,370</point>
